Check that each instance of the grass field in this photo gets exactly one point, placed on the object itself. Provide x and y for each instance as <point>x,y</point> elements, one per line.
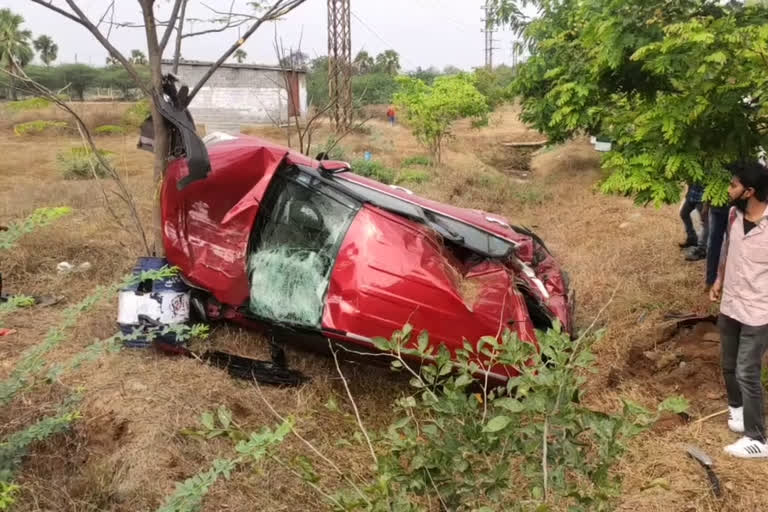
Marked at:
<point>126,453</point>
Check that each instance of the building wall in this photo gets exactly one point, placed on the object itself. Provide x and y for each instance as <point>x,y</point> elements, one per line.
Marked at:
<point>237,96</point>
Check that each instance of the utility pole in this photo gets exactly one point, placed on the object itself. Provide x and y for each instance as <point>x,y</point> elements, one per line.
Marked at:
<point>340,63</point>
<point>488,31</point>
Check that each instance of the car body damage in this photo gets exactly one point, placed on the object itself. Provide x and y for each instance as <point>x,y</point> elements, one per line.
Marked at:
<point>278,240</point>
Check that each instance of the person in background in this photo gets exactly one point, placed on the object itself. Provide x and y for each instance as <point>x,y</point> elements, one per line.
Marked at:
<point>391,115</point>
<point>742,283</point>
<point>718,222</point>
<point>692,202</point>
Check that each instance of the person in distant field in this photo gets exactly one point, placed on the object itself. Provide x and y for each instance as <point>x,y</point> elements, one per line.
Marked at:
<point>742,282</point>
<point>693,201</point>
<point>391,115</point>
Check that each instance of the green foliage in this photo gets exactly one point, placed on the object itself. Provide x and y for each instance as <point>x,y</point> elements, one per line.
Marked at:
<point>666,81</point>
<point>374,88</point>
<point>412,176</point>
<point>136,115</point>
<point>431,110</point>
<point>251,447</point>
<point>38,219</point>
<point>81,163</point>
<point>7,495</point>
<point>15,446</point>
<point>374,170</point>
<point>15,49</point>
<point>531,195</point>
<point>47,48</point>
<point>495,85</point>
<point>79,77</point>
<point>523,446</point>
<point>417,160</point>
<point>109,129</point>
<point>38,127</point>
<point>27,105</point>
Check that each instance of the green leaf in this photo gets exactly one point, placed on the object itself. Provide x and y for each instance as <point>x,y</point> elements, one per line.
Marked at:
<point>331,404</point>
<point>510,404</point>
<point>207,420</point>
<point>496,424</point>
<point>225,416</point>
<point>423,341</point>
<point>674,404</point>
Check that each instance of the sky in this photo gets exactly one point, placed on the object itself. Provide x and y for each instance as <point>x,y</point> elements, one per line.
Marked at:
<point>424,32</point>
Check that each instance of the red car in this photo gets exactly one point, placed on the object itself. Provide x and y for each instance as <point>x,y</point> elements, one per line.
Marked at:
<point>314,252</point>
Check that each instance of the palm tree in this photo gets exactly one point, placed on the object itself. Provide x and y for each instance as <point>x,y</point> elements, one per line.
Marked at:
<point>388,61</point>
<point>47,48</point>
<point>240,55</point>
<point>15,51</point>
<point>363,62</point>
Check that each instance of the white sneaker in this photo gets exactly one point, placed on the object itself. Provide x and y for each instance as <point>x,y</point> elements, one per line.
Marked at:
<point>736,419</point>
<point>747,448</point>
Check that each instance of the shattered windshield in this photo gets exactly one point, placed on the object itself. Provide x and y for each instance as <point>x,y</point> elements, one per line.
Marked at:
<point>296,238</point>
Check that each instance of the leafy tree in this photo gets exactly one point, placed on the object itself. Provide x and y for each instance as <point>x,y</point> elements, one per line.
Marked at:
<point>240,55</point>
<point>363,62</point>
<point>665,80</point>
<point>451,70</point>
<point>112,61</point>
<point>47,48</point>
<point>138,57</point>
<point>49,76</point>
<point>79,77</point>
<point>15,50</point>
<point>495,84</point>
<point>431,110</point>
<point>295,59</point>
<point>388,61</point>
<point>317,81</point>
<point>426,75</point>
<point>374,88</point>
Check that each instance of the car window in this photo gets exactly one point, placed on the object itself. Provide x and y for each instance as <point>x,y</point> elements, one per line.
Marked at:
<point>456,231</point>
<point>299,229</point>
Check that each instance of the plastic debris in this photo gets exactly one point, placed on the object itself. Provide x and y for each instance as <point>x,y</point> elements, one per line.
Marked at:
<point>66,267</point>
<point>7,332</point>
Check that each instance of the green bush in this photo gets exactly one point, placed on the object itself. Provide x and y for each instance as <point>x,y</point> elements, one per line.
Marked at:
<point>39,218</point>
<point>80,163</point>
<point>136,115</point>
<point>333,149</point>
<point>417,160</point>
<point>109,129</point>
<point>412,176</point>
<point>38,127</point>
<point>28,104</point>
<point>374,170</point>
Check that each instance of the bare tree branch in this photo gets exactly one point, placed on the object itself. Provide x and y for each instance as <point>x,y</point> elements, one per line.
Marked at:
<point>110,9</point>
<point>179,35</point>
<point>171,22</point>
<point>279,8</point>
<point>80,18</point>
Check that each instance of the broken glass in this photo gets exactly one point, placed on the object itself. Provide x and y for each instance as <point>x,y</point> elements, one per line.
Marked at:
<point>298,233</point>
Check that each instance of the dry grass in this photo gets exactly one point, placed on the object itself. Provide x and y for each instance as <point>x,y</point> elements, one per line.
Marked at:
<point>126,452</point>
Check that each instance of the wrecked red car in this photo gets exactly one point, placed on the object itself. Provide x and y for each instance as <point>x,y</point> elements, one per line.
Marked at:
<point>313,252</point>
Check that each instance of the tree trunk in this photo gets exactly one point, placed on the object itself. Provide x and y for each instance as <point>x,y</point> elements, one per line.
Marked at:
<point>161,135</point>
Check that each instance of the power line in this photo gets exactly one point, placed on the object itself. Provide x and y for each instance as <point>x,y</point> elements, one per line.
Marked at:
<point>372,31</point>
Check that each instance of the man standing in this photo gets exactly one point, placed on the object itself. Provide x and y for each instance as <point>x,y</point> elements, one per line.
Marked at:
<point>692,202</point>
<point>743,284</point>
<point>391,115</point>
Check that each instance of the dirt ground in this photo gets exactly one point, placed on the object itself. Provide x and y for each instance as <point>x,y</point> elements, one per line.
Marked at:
<point>126,453</point>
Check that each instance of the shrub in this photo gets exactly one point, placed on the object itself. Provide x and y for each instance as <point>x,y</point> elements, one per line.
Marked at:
<point>417,160</point>
<point>28,104</point>
<point>136,115</point>
<point>412,176</point>
<point>81,163</point>
<point>333,149</point>
<point>37,127</point>
<point>374,170</point>
<point>109,129</point>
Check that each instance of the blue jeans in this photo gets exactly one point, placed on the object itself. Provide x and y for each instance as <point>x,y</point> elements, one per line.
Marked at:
<point>718,224</point>
<point>685,215</point>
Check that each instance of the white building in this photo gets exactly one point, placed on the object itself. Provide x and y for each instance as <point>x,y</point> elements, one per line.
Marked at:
<point>239,94</point>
